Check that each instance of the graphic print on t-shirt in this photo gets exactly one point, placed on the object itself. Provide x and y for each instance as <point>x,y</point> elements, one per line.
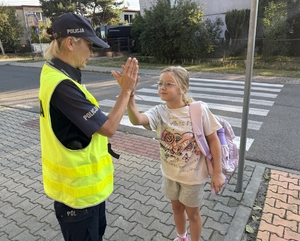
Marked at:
<point>178,149</point>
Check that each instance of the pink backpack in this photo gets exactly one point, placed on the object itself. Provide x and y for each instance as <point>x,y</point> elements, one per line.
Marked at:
<point>230,153</point>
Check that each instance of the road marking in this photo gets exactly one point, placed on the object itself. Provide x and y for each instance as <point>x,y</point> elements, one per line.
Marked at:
<point>211,97</point>
<point>233,92</point>
<point>233,86</point>
<point>214,106</point>
<point>237,82</point>
<point>126,122</point>
<point>226,97</point>
<point>23,106</point>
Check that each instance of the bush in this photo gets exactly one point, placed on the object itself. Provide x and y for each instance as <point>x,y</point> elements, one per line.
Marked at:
<point>174,34</point>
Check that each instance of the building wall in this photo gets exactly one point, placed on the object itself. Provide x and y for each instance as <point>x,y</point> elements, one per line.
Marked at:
<point>21,12</point>
<point>211,8</point>
<point>128,15</point>
<point>146,4</point>
<point>218,8</point>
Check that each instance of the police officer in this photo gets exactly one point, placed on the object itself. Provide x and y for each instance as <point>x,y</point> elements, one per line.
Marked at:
<point>76,165</point>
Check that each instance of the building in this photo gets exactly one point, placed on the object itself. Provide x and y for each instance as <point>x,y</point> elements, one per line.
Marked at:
<point>21,12</point>
<point>128,15</point>
<point>211,8</point>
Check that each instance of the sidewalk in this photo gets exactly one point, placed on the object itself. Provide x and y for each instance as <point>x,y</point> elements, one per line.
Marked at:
<point>136,210</point>
<point>146,72</point>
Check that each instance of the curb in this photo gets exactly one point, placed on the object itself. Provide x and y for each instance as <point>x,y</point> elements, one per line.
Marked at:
<point>197,74</point>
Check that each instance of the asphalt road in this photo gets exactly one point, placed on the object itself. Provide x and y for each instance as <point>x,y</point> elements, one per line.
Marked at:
<point>277,142</point>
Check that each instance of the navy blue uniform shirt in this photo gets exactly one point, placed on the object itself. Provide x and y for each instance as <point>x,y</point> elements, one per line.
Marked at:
<point>70,111</point>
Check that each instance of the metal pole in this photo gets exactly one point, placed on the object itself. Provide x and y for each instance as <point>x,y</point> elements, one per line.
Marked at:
<point>29,36</point>
<point>247,90</point>
<point>1,47</point>
<point>38,33</point>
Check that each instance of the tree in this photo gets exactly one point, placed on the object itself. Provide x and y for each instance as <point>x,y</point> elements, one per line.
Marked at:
<point>172,33</point>
<point>52,9</point>
<point>137,28</point>
<point>101,12</point>
<point>10,28</point>
<point>275,28</point>
<point>214,31</point>
<point>236,21</point>
<point>37,36</point>
<point>105,12</point>
<point>277,22</point>
<point>293,24</point>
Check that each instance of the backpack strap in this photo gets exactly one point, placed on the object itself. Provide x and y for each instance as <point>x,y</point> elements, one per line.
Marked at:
<point>227,127</point>
<point>196,117</point>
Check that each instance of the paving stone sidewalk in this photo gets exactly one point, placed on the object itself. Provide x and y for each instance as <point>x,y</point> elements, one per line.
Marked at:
<point>136,210</point>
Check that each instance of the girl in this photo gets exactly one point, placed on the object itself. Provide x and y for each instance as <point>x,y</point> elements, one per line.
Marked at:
<point>184,170</point>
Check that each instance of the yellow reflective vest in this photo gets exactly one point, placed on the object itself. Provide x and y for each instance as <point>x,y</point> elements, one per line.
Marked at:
<point>77,178</point>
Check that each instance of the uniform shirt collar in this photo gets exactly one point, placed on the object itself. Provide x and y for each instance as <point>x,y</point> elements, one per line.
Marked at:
<point>67,69</point>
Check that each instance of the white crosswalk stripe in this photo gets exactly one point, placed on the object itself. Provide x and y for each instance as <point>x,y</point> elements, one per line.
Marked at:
<point>212,97</point>
<point>224,96</point>
<point>236,82</point>
<point>233,92</point>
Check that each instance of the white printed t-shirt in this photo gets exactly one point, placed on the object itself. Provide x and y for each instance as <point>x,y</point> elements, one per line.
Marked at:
<point>181,160</point>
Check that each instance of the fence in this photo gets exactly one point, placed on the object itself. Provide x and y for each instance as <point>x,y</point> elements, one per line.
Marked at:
<point>263,46</point>
<point>123,44</point>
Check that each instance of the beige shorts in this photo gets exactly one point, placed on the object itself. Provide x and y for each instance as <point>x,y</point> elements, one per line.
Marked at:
<point>189,195</point>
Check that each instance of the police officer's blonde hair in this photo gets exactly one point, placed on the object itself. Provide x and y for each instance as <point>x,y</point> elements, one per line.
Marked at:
<point>53,50</point>
<point>182,78</point>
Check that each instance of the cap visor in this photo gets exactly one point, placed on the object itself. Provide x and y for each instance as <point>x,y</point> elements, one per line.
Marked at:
<point>98,42</point>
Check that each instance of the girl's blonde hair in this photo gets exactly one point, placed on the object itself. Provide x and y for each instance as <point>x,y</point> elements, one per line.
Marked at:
<point>182,78</point>
<point>53,50</point>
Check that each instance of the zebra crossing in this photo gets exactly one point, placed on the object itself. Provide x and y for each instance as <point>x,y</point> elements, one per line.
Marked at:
<point>222,96</point>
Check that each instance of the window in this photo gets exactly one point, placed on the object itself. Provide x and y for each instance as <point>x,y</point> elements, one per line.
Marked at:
<point>40,16</point>
<point>103,35</point>
<point>128,17</point>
